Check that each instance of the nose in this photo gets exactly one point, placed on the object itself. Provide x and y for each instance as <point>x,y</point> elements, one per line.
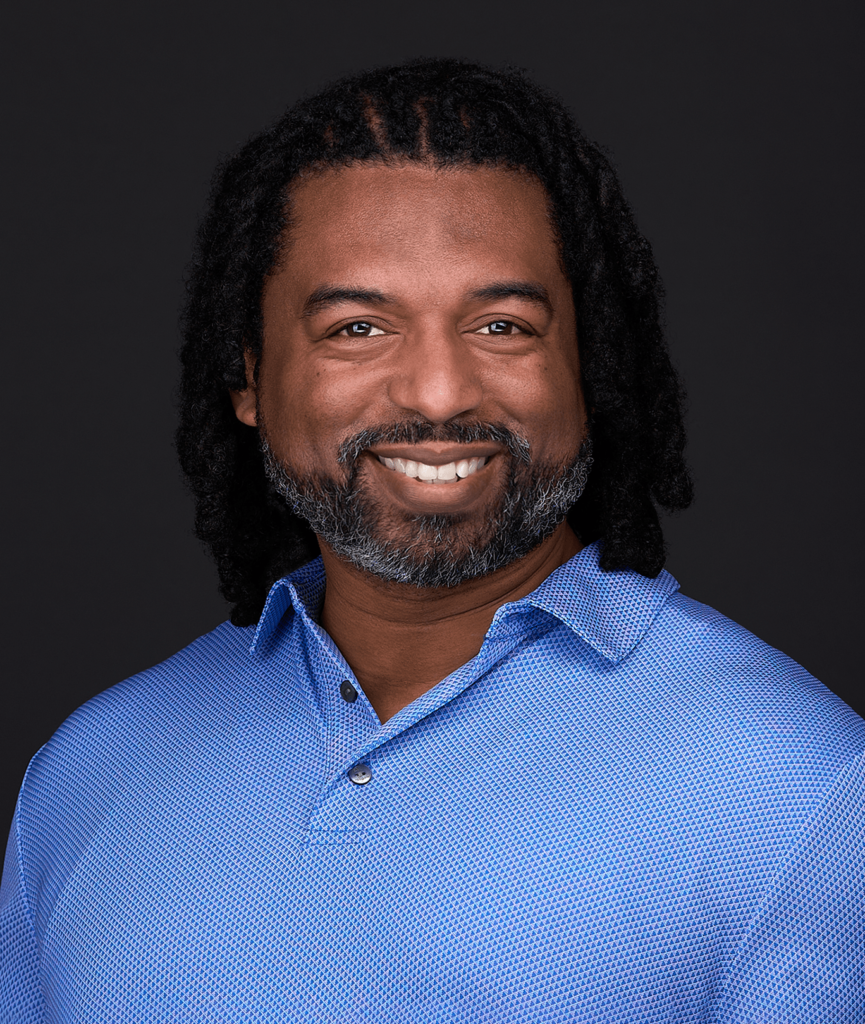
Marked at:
<point>436,377</point>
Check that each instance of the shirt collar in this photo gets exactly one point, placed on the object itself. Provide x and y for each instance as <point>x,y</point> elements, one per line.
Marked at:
<point>302,589</point>
<point>610,611</point>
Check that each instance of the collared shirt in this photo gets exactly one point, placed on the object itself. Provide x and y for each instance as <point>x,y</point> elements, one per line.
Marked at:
<point>625,808</point>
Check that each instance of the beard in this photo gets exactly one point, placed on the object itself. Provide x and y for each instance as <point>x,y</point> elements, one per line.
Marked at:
<point>434,550</point>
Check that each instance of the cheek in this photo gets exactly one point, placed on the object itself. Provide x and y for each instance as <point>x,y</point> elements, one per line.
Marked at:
<point>308,410</point>
<point>545,396</point>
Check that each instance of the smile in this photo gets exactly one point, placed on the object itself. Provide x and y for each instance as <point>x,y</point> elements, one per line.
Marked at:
<point>446,474</point>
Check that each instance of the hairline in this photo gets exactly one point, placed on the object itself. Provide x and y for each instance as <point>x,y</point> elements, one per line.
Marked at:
<point>319,169</point>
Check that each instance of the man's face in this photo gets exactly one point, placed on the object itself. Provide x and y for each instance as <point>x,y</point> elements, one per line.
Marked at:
<point>420,325</point>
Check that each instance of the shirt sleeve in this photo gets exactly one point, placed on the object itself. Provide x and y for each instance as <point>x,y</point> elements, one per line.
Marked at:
<point>803,955</point>
<point>20,991</point>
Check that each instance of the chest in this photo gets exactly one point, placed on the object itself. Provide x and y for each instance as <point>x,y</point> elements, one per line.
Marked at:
<point>492,878</point>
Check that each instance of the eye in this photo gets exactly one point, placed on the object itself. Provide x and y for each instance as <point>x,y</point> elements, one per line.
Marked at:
<point>502,327</point>
<point>358,329</point>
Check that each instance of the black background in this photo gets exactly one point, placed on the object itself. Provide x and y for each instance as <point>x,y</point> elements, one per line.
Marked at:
<point>736,128</point>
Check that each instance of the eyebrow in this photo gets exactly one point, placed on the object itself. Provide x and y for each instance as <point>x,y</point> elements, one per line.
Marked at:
<point>530,290</point>
<point>328,296</point>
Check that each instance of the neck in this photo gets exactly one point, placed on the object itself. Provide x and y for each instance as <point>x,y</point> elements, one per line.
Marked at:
<point>400,640</point>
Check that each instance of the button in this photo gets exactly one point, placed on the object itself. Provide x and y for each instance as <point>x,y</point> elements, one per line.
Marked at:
<point>360,774</point>
<point>347,692</point>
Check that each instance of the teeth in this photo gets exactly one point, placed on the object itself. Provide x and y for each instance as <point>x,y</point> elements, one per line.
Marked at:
<point>435,474</point>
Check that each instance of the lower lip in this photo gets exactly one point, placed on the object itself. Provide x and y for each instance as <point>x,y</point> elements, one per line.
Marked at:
<point>423,496</point>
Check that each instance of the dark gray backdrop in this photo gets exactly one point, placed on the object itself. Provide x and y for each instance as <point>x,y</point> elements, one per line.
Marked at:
<point>736,127</point>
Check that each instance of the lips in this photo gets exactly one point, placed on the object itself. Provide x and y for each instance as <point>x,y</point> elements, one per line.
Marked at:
<point>449,472</point>
<point>414,467</point>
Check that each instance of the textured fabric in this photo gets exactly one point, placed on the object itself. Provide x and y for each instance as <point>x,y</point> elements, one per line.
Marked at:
<point>626,809</point>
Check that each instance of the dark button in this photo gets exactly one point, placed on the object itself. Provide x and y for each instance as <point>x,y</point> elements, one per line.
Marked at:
<point>360,774</point>
<point>347,692</point>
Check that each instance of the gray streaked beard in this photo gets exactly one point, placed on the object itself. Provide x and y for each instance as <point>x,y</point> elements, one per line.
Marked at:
<point>535,501</point>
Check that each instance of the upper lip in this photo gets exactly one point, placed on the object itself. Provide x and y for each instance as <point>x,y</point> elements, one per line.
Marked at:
<point>432,454</point>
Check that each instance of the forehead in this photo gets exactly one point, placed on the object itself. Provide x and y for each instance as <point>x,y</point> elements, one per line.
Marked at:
<point>377,213</point>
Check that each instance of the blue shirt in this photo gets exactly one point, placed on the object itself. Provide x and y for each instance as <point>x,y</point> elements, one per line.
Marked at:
<point>626,809</point>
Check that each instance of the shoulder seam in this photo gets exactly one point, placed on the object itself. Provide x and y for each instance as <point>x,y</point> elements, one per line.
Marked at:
<point>19,847</point>
<point>817,804</point>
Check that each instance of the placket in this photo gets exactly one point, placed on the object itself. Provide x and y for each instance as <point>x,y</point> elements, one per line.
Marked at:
<point>348,720</point>
<point>357,741</point>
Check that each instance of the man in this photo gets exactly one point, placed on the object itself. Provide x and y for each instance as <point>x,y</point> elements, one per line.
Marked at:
<point>464,752</point>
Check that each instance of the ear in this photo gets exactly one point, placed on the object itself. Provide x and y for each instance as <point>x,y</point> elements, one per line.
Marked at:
<point>244,402</point>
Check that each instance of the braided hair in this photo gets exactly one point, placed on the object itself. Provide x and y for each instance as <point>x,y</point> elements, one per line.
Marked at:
<point>449,112</point>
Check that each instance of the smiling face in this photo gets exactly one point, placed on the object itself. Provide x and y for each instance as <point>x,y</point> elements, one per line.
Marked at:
<point>419,388</point>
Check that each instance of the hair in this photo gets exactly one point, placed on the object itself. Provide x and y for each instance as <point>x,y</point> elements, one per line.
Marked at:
<point>449,112</point>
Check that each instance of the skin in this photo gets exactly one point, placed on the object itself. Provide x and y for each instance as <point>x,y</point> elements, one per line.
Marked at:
<point>427,240</point>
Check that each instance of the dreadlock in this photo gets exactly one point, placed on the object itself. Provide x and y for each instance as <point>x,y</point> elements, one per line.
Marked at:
<point>450,112</point>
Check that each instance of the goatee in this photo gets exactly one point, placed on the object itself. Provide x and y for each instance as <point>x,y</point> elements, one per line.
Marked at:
<point>441,550</point>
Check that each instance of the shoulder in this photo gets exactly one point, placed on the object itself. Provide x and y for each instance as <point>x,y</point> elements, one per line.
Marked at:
<point>118,747</point>
<point>744,689</point>
<point>150,702</point>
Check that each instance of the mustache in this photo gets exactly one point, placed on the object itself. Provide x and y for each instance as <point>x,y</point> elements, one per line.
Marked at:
<point>419,431</point>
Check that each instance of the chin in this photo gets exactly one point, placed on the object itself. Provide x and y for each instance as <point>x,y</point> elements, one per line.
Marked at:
<point>439,555</point>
